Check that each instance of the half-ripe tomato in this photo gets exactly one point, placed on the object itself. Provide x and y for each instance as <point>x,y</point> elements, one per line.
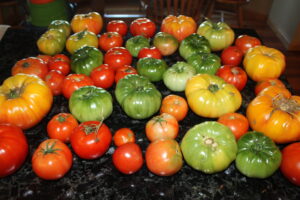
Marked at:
<point>109,40</point>
<point>54,79</point>
<point>52,159</point>
<point>61,126</point>
<point>128,158</point>
<point>13,148</point>
<point>232,55</point>
<point>164,157</point>
<point>91,139</point>
<point>261,85</point>
<point>74,81</point>
<point>30,65</point>
<point>152,52</point>
<point>142,26</point>
<point>123,71</point>
<point>59,65</point>
<point>91,21</point>
<point>174,105</point>
<point>103,76</point>
<point>117,57</point>
<point>123,136</point>
<point>245,42</point>
<point>118,26</point>
<point>237,123</point>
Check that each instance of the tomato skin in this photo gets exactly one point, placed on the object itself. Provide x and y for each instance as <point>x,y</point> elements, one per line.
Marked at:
<point>174,105</point>
<point>61,57</point>
<point>61,126</point>
<point>13,148</point>
<point>103,76</point>
<point>128,158</point>
<point>30,65</point>
<point>52,159</point>
<point>142,26</point>
<point>166,43</point>
<point>109,40</point>
<point>152,52</point>
<point>232,55</point>
<point>117,57</point>
<point>59,64</point>
<point>44,57</point>
<point>54,79</point>
<point>261,85</point>
<point>246,42</point>
<point>118,26</point>
<point>290,164</point>
<point>81,39</point>
<point>123,136</point>
<point>91,21</point>
<point>123,71</point>
<point>91,139</point>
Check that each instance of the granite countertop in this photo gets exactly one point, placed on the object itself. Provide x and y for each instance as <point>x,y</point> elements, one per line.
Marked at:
<point>98,179</point>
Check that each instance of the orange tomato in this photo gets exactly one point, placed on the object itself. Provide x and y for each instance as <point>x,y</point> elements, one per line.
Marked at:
<point>274,90</point>
<point>91,21</point>
<point>123,136</point>
<point>174,105</point>
<point>30,65</point>
<point>266,83</point>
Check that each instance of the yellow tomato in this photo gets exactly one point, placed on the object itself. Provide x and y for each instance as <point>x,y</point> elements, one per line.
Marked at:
<point>91,21</point>
<point>80,39</point>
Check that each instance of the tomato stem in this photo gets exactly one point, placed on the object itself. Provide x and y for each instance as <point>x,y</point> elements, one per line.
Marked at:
<point>49,149</point>
<point>213,88</point>
<point>14,93</point>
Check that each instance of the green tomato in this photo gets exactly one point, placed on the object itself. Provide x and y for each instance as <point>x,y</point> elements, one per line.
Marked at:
<point>85,59</point>
<point>138,97</point>
<point>51,42</point>
<point>136,43</point>
<point>258,156</point>
<point>90,103</point>
<point>209,147</point>
<point>177,75</point>
<point>62,25</point>
<point>193,44</point>
<point>166,43</point>
<point>152,68</point>
<point>205,63</point>
<point>81,39</point>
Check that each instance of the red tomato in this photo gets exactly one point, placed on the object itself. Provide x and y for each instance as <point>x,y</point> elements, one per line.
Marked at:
<point>118,26</point>
<point>164,157</point>
<point>103,76</point>
<point>109,40</point>
<point>245,42</point>
<point>117,57</point>
<point>59,65</point>
<point>13,149</point>
<point>232,55</point>
<point>45,58</point>
<point>261,85</point>
<point>61,126</point>
<point>174,105</point>
<point>142,26</point>
<point>290,163</point>
<point>162,126</point>
<point>152,52</point>
<point>52,159</point>
<point>74,81</point>
<point>91,139</point>
<point>61,57</point>
<point>123,136</point>
<point>54,79</point>
<point>30,65</point>
<point>237,123</point>
<point>123,71</point>
<point>128,158</point>
<point>233,75</point>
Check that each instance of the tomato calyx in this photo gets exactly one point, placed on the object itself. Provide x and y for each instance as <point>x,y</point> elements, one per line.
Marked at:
<point>81,34</point>
<point>282,103</point>
<point>26,65</point>
<point>213,88</point>
<point>160,120</point>
<point>61,118</point>
<point>49,149</point>
<point>92,128</point>
<point>15,93</point>
<point>210,142</point>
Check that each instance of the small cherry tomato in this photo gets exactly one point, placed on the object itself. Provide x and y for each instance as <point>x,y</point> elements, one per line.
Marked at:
<point>142,26</point>
<point>103,76</point>
<point>54,79</point>
<point>174,105</point>
<point>123,136</point>
<point>123,71</point>
<point>117,57</point>
<point>261,85</point>
<point>151,52</point>
<point>109,40</point>
<point>232,55</point>
<point>245,42</point>
<point>118,26</point>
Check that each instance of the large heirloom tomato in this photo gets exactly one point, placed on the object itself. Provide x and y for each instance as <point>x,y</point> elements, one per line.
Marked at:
<point>109,40</point>
<point>262,63</point>
<point>142,26</point>
<point>136,43</point>
<point>24,100</point>
<point>210,96</point>
<point>30,65</point>
<point>91,21</point>
<point>138,97</point>
<point>52,42</point>
<point>174,105</point>
<point>207,63</point>
<point>246,42</point>
<point>209,147</point>
<point>81,39</point>
<point>152,68</point>
<point>117,57</point>
<point>13,148</point>
<point>180,27</point>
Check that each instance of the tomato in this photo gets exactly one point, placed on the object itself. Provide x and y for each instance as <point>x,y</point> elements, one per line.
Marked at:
<point>61,126</point>
<point>91,139</point>
<point>246,42</point>
<point>128,158</point>
<point>117,57</point>
<point>54,79</point>
<point>136,43</point>
<point>59,65</point>
<point>166,43</point>
<point>52,159</point>
<point>109,40</point>
<point>142,26</point>
<point>81,39</point>
<point>152,52</point>
<point>152,68</point>
<point>62,25</point>
<point>123,71</point>
<point>24,100</point>
<point>91,21</point>
<point>103,76</point>
<point>233,75</point>
<point>290,164</point>
<point>74,81</point>
<point>30,65</point>
<point>261,85</point>
<point>163,157</point>
<point>232,55</point>
<point>205,63</point>
<point>174,105</point>
<point>13,148</point>
<point>123,136</point>
<point>45,58</point>
<point>51,42</point>
<point>118,26</point>
<point>61,57</point>
<point>237,123</point>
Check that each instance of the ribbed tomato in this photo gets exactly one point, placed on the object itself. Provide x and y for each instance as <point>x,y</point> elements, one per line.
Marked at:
<point>91,21</point>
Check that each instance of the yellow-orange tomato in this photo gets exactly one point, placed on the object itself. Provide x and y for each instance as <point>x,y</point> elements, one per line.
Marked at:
<point>262,63</point>
<point>180,27</point>
<point>266,83</point>
<point>274,90</point>
<point>175,105</point>
<point>91,21</point>
<point>24,100</point>
<point>80,39</point>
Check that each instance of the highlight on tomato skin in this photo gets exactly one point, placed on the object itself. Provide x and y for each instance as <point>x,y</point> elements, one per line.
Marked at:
<point>123,136</point>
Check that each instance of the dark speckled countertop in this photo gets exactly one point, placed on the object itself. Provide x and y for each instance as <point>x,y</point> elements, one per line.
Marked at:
<point>98,179</point>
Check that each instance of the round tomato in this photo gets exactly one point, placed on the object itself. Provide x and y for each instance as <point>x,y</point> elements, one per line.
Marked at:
<point>91,21</point>
<point>59,65</point>
<point>30,65</point>
<point>128,158</point>
<point>52,159</point>
<point>81,39</point>
<point>142,26</point>
<point>117,57</point>
<point>164,157</point>
<point>54,79</point>
<point>62,25</point>
<point>151,68</point>
<point>109,40</point>
<point>118,26</point>
<point>232,55</point>
<point>103,76</point>
<point>174,105</point>
<point>246,42</point>
<point>61,57</point>
<point>91,139</point>
<point>13,148</point>
<point>61,126</point>
<point>166,43</point>
<point>123,136</point>
<point>261,85</point>
<point>45,58</point>
<point>290,164</point>
<point>51,42</point>
<point>123,71</point>
<point>152,52</point>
